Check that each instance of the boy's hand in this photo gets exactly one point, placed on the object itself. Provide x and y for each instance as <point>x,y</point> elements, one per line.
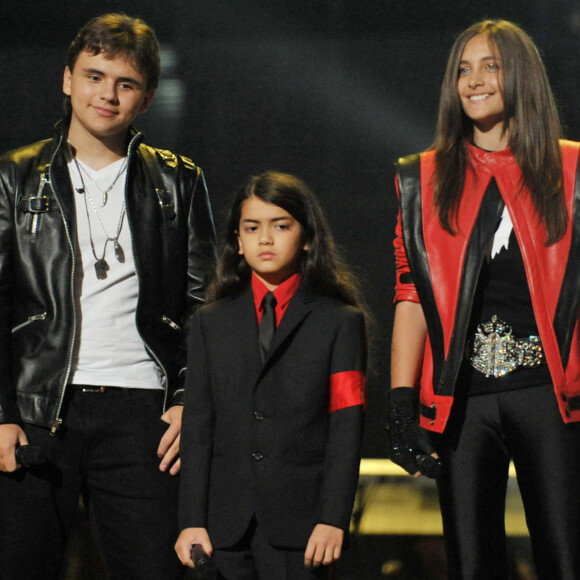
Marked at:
<point>11,435</point>
<point>168,449</point>
<point>187,538</point>
<point>324,545</point>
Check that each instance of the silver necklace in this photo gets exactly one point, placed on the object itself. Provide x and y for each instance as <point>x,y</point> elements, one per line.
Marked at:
<point>105,191</point>
<point>101,264</point>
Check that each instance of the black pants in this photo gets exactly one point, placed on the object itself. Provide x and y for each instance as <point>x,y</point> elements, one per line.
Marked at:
<point>254,558</point>
<point>483,434</point>
<point>106,450</point>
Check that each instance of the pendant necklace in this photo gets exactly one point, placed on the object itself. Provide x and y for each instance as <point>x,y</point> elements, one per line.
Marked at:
<point>105,191</point>
<point>101,264</point>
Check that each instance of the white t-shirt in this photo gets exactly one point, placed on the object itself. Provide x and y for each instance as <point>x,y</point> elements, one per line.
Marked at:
<point>108,348</point>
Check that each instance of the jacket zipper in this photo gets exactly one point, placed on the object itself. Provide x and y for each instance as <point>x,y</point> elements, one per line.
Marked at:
<point>58,421</point>
<point>170,322</point>
<point>35,223</point>
<point>29,320</point>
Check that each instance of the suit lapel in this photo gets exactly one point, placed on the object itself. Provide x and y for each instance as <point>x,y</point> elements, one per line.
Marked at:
<point>300,306</point>
<point>243,325</point>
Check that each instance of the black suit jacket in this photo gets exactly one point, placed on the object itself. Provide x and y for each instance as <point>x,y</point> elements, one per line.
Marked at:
<point>259,438</point>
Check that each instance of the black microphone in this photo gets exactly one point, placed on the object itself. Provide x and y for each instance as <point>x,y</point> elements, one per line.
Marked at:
<point>428,465</point>
<point>30,455</point>
<point>202,561</point>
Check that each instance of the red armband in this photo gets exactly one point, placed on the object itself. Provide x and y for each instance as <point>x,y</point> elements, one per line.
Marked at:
<point>347,389</point>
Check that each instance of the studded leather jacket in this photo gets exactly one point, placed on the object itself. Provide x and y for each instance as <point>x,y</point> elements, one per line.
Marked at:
<point>441,270</point>
<point>173,236</point>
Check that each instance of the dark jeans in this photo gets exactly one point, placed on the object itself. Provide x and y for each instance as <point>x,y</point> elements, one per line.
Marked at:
<point>106,449</point>
<point>484,433</point>
<point>254,558</point>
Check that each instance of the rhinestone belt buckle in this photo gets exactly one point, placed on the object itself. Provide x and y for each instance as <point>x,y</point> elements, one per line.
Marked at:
<point>495,352</point>
<point>494,348</point>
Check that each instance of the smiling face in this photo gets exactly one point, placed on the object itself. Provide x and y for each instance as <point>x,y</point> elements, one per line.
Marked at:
<point>270,240</point>
<point>479,87</point>
<point>106,96</point>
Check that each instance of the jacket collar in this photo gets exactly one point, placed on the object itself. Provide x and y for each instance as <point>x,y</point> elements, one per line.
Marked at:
<point>58,171</point>
<point>61,134</point>
<point>488,160</point>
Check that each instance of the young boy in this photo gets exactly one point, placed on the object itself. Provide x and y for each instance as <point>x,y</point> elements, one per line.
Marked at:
<point>275,394</point>
<point>105,245</point>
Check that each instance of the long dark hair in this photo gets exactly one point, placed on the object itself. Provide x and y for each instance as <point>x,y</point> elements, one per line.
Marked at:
<point>321,266</point>
<point>531,117</point>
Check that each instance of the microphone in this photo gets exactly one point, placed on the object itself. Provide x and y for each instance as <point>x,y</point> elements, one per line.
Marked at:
<point>30,455</point>
<point>203,563</point>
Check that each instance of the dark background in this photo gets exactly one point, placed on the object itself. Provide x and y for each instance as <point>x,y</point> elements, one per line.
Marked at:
<point>332,90</point>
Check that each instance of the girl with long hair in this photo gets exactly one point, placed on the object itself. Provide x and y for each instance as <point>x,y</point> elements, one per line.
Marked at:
<point>485,365</point>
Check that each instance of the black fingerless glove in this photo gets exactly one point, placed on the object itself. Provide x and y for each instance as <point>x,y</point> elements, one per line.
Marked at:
<point>410,445</point>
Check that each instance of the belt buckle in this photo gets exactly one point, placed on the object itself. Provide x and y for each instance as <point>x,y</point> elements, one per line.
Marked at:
<point>494,351</point>
<point>94,389</point>
<point>38,204</point>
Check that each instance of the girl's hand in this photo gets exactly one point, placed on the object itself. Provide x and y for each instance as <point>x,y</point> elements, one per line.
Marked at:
<point>410,445</point>
<point>189,537</point>
<point>324,545</point>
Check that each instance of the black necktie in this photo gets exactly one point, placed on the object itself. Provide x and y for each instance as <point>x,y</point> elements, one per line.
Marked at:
<point>267,324</point>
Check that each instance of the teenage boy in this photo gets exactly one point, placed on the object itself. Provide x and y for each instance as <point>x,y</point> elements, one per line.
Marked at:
<point>105,247</point>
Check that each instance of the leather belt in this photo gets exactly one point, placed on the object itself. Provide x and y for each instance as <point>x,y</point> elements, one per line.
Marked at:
<point>494,351</point>
<point>92,388</point>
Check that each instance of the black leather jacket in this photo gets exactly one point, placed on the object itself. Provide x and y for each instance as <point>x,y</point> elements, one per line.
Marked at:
<point>173,238</point>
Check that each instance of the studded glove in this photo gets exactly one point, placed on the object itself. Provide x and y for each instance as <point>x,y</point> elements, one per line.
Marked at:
<point>410,445</point>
